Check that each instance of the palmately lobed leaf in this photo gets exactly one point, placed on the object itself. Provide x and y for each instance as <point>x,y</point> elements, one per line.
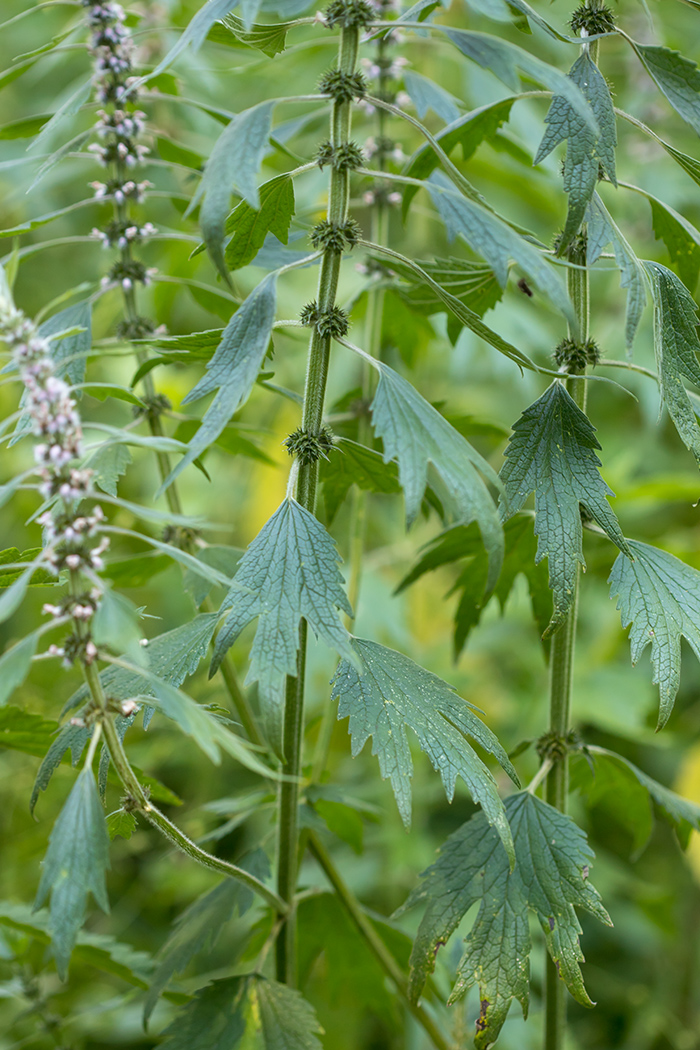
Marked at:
<point>586,152</point>
<point>246,1011</point>
<point>387,693</point>
<point>289,572</point>
<point>659,596</point>
<point>550,878</point>
<point>551,452</point>
<point>74,866</point>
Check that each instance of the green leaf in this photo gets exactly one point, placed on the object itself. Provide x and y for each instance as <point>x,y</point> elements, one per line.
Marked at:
<point>473,284</point>
<point>289,571</point>
<point>225,559</point>
<point>463,542</point>
<point>109,462</point>
<point>550,878</point>
<point>468,131</point>
<point>495,241</point>
<point>198,928</point>
<point>23,731</point>
<point>195,720</point>
<point>426,94</point>
<point>233,369</point>
<point>676,77</point>
<point>601,231</point>
<point>611,781</point>
<point>12,597</point>
<point>68,352</point>
<point>233,165</point>
<point>198,345</point>
<point>116,625</point>
<point>287,1021</point>
<point>248,1010</point>
<point>172,656</point>
<point>24,129</point>
<point>352,464</point>
<point>680,237</point>
<point>551,451</point>
<point>250,226</point>
<point>676,346</point>
<point>15,664</point>
<point>270,39</point>
<point>463,313</point>
<point>95,951</point>
<point>351,974</point>
<point>74,866</point>
<point>69,108</point>
<point>196,32</point>
<point>415,434</point>
<point>121,823</point>
<point>586,152</point>
<point>506,61</point>
<point>389,692</point>
<point>660,597</point>
<point>676,809</point>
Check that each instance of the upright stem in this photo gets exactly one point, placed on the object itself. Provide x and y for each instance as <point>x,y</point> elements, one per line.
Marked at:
<point>312,421</point>
<point>561,666</point>
<point>238,698</point>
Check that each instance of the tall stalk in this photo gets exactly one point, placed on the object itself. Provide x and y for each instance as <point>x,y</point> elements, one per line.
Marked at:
<point>332,235</point>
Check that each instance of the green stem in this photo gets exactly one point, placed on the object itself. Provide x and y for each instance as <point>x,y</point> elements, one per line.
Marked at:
<point>238,698</point>
<point>374,942</point>
<point>140,802</point>
<point>561,666</point>
<point>312,420</point>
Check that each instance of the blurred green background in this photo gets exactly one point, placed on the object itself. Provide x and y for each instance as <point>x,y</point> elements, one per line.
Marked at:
<point>644,973</point>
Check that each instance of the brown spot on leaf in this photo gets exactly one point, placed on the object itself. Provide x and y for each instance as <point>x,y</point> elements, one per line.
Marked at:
<point>550,920</point>
<point>481,1021</point>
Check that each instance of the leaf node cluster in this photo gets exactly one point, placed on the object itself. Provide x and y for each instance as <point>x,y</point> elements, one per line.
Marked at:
<point>593,19</point>
<point>573,355</point>
<point>349,13</point>
<point>335,236</point>
<point>341,86</point>
<point>345,157</point>
<point>332,322</point>
<point>309,447</point>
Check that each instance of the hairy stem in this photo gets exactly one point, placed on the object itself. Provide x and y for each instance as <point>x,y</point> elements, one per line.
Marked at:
<point>312,420</point>
<point>139,801</point>
<point>374,942</point>
<point>561,665</point>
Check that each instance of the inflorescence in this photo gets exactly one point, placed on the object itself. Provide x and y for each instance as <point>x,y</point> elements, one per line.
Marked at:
<point>335,236</point>
<point>349,13</point>
<point>592,20</point>
<point>118,129</point>
<point>332,322</point>
<point>574,356</point>
<point>72,536</point>
<point>309,448</point>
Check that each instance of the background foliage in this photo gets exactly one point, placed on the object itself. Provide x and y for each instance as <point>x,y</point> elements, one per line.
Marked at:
<point>644,973</point>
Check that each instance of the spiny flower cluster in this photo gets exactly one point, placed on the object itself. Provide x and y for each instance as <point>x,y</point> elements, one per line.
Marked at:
<point>72,537</point>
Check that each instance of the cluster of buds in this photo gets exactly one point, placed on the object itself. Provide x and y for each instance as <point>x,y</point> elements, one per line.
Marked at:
<point>120,234</point>
<point>112,49</point>
<point>72,537</point>
<point>118,129</point>
<point>387,72</point>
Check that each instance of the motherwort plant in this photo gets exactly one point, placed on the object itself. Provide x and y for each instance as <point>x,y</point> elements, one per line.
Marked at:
<point>338,182</point>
